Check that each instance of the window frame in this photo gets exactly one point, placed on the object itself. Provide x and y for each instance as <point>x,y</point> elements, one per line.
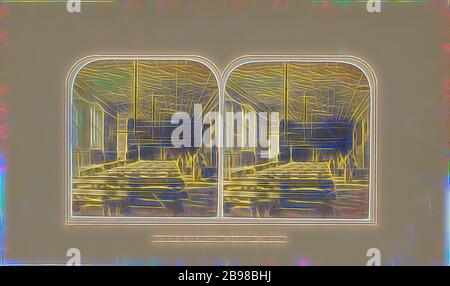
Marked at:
<point>76,123</point>
<point>96,128</point>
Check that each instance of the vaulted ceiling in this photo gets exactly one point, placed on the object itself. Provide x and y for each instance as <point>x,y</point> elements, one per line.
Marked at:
<point>160,87</point>
<point>311,91</point>
<point>315,91</point>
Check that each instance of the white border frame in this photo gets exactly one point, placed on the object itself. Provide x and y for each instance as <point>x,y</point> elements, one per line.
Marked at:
<point>221,81</point>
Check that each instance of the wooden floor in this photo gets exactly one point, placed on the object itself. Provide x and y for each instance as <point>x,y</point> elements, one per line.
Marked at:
<point>158,189</point>
<point>296,189</point>
<point>143,188</point>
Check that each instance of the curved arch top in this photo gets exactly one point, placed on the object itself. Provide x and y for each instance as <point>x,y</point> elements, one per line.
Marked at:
<point>242,72</point>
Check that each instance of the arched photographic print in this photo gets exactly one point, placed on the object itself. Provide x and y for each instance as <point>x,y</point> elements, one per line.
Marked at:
<point>314,160</point>
<point>123,161</point>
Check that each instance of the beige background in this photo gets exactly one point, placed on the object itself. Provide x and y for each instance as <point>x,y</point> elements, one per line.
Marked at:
<point>403,44</point>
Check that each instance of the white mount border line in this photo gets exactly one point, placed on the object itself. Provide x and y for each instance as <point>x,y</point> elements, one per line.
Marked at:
<point>221,79</point>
